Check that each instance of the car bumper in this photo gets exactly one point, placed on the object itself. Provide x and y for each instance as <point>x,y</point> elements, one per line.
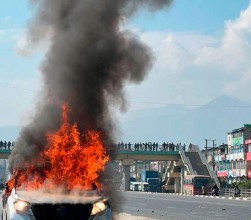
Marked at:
<point>105,215</point>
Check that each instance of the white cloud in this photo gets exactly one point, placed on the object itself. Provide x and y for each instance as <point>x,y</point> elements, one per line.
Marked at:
<point>193,68</point>
<point>9,35</point>
<point>6,19</point>
<point>233,54</point>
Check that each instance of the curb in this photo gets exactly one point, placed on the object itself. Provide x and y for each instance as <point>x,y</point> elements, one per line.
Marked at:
<point>206,196</point>
<point>216,197</point>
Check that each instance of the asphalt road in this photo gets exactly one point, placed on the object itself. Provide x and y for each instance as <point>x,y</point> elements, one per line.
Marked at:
<point>149,206</point>
<point>179,207</point>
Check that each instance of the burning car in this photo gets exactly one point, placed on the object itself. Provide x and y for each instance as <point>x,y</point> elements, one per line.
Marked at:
<point>61,183</point>
<point>22,204</point>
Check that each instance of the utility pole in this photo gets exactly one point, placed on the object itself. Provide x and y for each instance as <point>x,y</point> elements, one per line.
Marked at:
<point>213,157</point>
<point>213,162</point>
<point>213,147</point>
<point>206,147</point>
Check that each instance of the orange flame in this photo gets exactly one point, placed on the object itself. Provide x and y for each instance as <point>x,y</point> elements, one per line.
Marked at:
<point>70,161</point>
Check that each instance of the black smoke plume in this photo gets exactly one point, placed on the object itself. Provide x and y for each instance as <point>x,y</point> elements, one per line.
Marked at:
<point>89,61</point>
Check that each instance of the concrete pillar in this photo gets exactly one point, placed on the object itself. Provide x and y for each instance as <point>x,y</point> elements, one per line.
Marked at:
<point>5,171</point>
<point>181,178</point>
<point>126,177</point>
<point>126,173</point>
<point>177,185</point>
<point>136,170</point>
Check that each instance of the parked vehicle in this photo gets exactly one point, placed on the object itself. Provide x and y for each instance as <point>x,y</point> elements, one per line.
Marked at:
<point>197,185</point>
<point>144,187</point>
<point>133,179</point>
<point>145,174</point>
<point>152,178</point>
<point>134,186</point>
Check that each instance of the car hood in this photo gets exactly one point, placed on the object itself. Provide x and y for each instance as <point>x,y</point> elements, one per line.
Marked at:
<point>47,197</point>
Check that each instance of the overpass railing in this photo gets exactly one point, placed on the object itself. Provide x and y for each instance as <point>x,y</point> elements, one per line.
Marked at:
<point>147,152</point>
<point>230,192</point>
<point>5,150</point>
<point>186,161</point>
<point>168,169</point>
<point>204,161</point>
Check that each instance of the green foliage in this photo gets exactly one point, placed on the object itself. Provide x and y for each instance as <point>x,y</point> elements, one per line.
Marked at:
<point>244,185</point>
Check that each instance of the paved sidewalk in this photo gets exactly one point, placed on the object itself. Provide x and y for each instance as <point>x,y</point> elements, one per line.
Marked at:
<point>208,196</point>
<point>218,197</point>
<point>124,216</point>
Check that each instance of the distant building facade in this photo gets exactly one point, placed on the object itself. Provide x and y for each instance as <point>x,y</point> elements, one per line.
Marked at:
<point>232,161</point>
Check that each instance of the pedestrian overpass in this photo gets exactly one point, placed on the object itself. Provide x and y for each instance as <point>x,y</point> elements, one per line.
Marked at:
<point>126,154</point>
<point>190,162</point>
<point>180,162</point>
<point>127,158</point>
<point>5,153</point>
<point>148,155</point>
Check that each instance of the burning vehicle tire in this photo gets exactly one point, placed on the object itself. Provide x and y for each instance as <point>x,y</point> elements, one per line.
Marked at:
<point>35,205</point>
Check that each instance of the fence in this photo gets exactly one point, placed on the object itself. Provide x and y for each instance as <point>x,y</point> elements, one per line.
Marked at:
<point>230,192</point>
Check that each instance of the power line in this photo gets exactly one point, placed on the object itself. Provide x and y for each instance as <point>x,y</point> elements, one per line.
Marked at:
<point>17,88</point>
<point>192,105</point>
<point>153,103</point>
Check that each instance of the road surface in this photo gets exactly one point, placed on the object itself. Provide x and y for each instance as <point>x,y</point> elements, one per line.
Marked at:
<point>180,207</point>
<point>153,206</point>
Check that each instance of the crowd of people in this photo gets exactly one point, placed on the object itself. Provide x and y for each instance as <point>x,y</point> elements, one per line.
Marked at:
<point>149,146</point>
<point>6,145</point>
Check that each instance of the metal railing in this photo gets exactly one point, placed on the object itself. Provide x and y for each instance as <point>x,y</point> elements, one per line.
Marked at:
<point>230,192</point>
<point>167,170</point>
<point>204,161</point>
<point>186,162</point>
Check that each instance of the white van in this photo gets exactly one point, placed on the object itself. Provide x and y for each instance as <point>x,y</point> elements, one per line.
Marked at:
<point>144,187</point>
<point>134,186</point>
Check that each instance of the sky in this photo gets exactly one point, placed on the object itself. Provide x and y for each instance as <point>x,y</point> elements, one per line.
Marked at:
<point>201,48</point>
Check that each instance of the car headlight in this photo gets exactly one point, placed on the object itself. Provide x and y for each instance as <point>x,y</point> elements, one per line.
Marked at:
<point>99,207</point>
<point>21,206</point>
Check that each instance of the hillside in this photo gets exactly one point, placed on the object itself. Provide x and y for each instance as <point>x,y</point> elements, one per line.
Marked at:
<point>177,123</point>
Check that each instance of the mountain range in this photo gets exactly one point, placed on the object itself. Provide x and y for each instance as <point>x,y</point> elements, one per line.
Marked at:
<point>181,124</point>
<point>176,123</point>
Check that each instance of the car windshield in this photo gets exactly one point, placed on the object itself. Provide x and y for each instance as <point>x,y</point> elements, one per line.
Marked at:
<point>156,181</point>
<point>201,181</point>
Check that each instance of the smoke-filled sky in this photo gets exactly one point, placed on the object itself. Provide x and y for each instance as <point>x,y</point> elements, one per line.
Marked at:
<point>201,51</point>
<point>88,61</point>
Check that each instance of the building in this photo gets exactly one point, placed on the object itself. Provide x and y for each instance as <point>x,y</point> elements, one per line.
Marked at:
<point>216,158</point>
<point>247,151</point>
<point>232,161</point>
